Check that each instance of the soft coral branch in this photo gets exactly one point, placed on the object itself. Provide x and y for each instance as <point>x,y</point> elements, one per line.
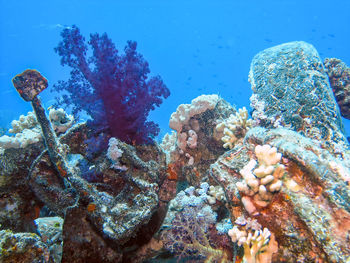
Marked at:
<point>113,89</point>
<point>189,237</point>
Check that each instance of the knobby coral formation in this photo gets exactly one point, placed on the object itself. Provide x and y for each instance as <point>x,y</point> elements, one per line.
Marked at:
<point>280,193</point>
<point>261,182</point>
<point>259,244</point>
<point>27,129</point>
<point>234,128</point>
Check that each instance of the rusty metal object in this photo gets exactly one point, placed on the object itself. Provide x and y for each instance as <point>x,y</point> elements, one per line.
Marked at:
<point>29,84</point>
<point>108,217</point>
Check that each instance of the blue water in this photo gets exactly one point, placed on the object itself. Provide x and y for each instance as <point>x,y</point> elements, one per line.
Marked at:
<point>198,47</point>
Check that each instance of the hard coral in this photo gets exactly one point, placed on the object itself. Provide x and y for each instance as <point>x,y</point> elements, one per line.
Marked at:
<point>234,128</point>
<point>114,90</point>
<point>264,180</point>
<point>259,245</point>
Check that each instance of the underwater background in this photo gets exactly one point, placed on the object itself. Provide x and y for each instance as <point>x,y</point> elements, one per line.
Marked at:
<point>197,47</point>
<point>241,171</point>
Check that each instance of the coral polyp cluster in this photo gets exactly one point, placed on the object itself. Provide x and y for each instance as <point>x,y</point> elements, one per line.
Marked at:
<point>234,128</point>
<point>258,244</point>
<point>260,182</point>
<point>27,129</point>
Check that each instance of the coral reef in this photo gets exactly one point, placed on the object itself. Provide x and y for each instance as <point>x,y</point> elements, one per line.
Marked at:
<point>188,239</point>
<point>220,188</point>
<point>339,77</point>
<point>191,197</point>
<point>216,193</point>
<point>29,84</point>
<point>113,89</point>
<point>168,144</point>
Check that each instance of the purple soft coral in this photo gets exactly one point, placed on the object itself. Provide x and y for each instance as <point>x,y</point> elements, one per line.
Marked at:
<point>112,89</point>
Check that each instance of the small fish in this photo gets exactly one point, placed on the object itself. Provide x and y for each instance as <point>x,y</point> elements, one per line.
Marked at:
<point>331,35</point>
<point>8,91</point>
<point>268,40</point>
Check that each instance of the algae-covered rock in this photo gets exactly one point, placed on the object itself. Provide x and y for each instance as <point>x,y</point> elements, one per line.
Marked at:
<point>18,204</point>
<point>50,230</point>
<point>22,248</point>
<point>291,89</point>
<point>339,78</point>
